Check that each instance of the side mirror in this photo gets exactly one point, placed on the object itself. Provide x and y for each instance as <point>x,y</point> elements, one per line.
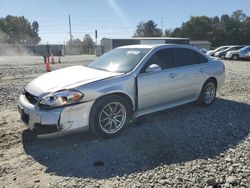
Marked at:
<point>153,68</point>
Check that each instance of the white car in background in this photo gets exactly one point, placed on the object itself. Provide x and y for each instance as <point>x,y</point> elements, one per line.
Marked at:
<point>212,52</point>
<point>222,54</point>
<point>242,53</point>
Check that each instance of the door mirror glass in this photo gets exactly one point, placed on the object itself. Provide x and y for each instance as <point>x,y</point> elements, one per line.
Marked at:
<point>153,68</point>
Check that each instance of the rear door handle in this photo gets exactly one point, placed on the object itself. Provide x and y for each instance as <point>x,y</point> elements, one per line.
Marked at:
<point>172,75</point>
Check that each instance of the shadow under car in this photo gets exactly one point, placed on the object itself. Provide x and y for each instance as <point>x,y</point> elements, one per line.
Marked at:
<point>172,136</point>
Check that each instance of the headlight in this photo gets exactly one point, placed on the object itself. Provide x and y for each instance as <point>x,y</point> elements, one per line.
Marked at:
<point>61,98</point>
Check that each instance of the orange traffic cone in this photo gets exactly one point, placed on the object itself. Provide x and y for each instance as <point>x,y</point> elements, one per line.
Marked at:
<point>47,64</point>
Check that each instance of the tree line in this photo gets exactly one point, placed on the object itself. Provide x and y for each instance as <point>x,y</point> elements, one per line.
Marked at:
<point>224,30</point>
<point>17,30</point>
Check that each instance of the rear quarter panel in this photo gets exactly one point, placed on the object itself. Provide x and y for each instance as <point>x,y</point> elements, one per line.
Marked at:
<point>216,69</point>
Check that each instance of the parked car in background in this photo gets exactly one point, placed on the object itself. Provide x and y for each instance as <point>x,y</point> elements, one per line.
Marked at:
<point>127,82</point>
<point>222,54</point>
<point>238,54</point>
<point>204,50</point>
<point>212,52</point>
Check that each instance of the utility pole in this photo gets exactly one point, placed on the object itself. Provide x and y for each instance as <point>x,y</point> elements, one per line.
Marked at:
<point>70,34</point>
<point>70,37</point>
<point>95,37</point>
<point>96,42</point>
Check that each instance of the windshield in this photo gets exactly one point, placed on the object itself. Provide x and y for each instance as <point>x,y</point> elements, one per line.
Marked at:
<point>247,48</point>
<point>221,48</point>
<point>119,59</point>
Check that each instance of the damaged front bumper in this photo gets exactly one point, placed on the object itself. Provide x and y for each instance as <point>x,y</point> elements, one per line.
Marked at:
<point>55,121</point>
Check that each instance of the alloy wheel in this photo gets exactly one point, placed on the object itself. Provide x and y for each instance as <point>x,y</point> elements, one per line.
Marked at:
<point>209,93</point>
<point>112,117</point>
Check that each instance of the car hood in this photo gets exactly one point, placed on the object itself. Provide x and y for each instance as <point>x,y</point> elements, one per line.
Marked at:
<point>215,58</point>
<point>66,78</point>
<point>210,52</point>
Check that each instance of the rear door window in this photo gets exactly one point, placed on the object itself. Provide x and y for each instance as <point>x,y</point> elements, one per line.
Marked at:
<point>185,57</point>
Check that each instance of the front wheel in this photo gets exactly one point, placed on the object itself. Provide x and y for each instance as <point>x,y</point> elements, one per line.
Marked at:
<point>222,57</point>
<point>235,57</point>
<point>208,93</point>
<point>109,116</point>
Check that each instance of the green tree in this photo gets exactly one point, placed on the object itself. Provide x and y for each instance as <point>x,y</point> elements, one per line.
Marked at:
<point>197,28</point>
<point>147,29</point>
<point>246,30</point>
<point>216,36</point>
<point>231,28</point>
<point>74,47</point>
<point>237,27</point>
<point>35,29</point>
<point>176,33</point>
<point>3,37</point>
<point>18,30</point>
<point>168,32</point>
<point>239,16</point>
<point>88,44</point>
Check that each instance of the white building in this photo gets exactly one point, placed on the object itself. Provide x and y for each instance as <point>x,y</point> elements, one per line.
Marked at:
<point>109,44</point>
<point>201,44</point>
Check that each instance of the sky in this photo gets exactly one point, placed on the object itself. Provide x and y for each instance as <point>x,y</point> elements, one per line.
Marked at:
<point>112,18</point>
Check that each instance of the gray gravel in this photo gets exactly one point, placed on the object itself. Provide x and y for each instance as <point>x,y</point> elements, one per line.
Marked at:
<point>189,146</point>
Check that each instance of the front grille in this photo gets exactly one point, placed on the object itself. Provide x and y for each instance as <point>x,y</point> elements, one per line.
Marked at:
<point>25,118</point>
<point>44,129</point>
<point>31,98</point>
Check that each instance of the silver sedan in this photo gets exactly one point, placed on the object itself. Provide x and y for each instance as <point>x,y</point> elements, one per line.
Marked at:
<point>123,84</point>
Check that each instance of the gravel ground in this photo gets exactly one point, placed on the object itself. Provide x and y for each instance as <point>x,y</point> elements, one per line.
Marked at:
<point>189,146</point>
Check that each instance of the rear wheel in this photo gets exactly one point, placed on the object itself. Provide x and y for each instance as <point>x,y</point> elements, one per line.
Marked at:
<point>235,57</point>
<point>109,116</point>
<point>208,93</point>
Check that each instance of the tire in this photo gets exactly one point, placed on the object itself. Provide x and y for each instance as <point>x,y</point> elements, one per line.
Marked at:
<point>208,93</point>
<point>222,57</point>
<point>235,57</point>
<point>28,136</point>
<point>109,116</point>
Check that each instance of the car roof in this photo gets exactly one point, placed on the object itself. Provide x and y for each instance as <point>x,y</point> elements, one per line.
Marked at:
<point>223,46</point>
<point>234,46</point>
<point>151,46</point>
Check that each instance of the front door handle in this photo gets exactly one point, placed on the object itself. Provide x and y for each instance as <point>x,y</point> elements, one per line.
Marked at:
<point>172,75</point>
<point>201,70</point>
